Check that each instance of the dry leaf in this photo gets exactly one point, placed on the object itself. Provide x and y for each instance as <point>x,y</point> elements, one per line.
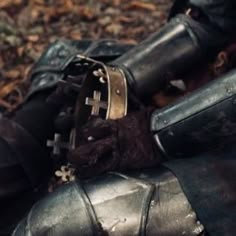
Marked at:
<point>8,88</point>
<point>142,5</point>
<point>114,28</point>
<point>11,74</point>
<point>33,38</point>
<point>75,34</point>
<point>128,41</point>
<point>125,19</point>
<point>8,3</point>
<point>20,51</point>
<point>86,13</point>
<point>1,63</point>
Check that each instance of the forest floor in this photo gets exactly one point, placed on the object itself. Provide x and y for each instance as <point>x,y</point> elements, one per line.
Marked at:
<point>28,26</point>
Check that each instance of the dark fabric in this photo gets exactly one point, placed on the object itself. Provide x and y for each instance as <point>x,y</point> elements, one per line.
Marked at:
<point>36,116</point>
<point>12,176</point>
<point>18,172</point>
<point>211,38</point>
<point>178,7</point>
<point>215,27</point>
<point>26,150</point>
<point>210,185</point>
<point>115,145</point>
<point>16,193</point>
<point>222,13</point>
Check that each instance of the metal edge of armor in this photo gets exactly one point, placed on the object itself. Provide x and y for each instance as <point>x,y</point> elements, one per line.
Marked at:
<point>202,121</point>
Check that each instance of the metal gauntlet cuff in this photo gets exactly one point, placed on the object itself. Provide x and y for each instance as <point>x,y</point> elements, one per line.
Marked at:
<point>166,55</point>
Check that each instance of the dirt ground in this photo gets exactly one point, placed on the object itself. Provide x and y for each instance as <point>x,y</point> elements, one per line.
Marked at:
<point>28,26</point>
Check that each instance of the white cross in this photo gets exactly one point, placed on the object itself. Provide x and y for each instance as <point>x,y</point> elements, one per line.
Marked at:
<point>57,144</point>
<point>96,103</point>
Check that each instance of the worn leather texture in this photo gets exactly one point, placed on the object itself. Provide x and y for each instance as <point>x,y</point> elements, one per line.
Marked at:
<point>52,65</point>
<point>28,152</point>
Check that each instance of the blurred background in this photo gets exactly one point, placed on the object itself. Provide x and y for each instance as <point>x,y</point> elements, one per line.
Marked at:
<point>28,26</point>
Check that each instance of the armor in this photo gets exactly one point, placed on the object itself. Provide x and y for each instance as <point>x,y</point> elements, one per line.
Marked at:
<point>201,122</point>
<point>193,37</point>
<point>149,202</point>
<point>166,200</point>
<point>25,165</point>
<point>52,65</point>
<point>46,73</point>
<point>149,66</point>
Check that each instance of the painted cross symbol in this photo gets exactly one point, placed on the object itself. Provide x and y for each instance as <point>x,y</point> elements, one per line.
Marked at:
<point>57,144</point>
<point>96,103</point>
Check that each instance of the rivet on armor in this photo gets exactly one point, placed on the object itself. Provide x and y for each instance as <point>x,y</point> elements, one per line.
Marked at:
<point>63,53</point>
<point>42,83</point>
<point>117,91</point>
<point>55,62</point>
<point>90,138</point>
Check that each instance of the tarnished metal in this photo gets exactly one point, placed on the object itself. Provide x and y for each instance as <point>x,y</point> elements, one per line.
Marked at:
<point>117,93</point>
<point>166,55</point>
<point>57,144</point>
<point>103,93</point>
<point>150,202</point>
<point>96,103</point>
<point>204,121</point>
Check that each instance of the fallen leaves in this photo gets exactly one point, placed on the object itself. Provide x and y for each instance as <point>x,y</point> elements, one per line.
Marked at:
<point>28,26</point>
<point>11,74</point>
<point>10,3</point>
<point>75,34</point>
<point>142,5</point>
<point>86,13</point>
<point>13,93</point>
<point>114,28</point>
<point>33,38</point>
